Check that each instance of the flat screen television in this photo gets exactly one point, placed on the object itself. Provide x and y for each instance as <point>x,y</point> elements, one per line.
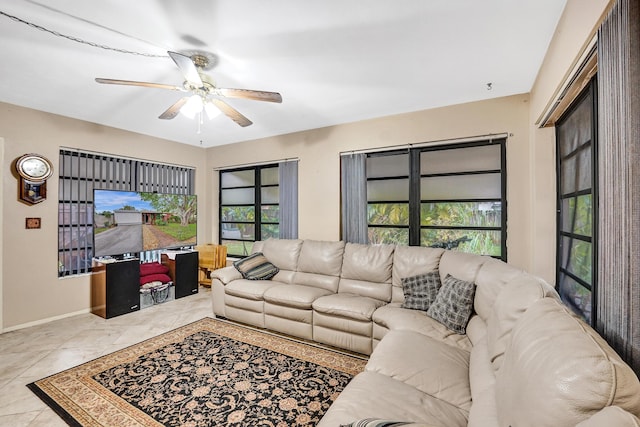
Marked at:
<point>133,221</point>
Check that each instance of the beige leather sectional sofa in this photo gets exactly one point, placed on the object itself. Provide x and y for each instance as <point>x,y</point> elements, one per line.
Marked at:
<point>525,359</point>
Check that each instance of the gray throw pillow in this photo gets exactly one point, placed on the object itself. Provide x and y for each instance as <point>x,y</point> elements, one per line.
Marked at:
<point>454,304</point>
<point>256,267</point>
<point>420,291</point>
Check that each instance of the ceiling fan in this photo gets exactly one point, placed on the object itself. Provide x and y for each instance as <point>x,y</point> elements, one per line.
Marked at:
<point>204,94</point>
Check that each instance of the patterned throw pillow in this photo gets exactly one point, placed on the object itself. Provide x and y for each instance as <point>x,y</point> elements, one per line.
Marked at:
<point>454,304</point>
<point>420,291</point>
<point>256,267</point>
<point>375,422</point>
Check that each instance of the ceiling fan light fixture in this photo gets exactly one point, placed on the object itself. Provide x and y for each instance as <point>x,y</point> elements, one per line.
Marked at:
<point>193,106</point>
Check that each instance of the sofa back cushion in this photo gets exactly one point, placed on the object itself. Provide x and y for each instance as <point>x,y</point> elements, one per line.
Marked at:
<point>557,371</point>
<point>283,253</point>
<point>511,303</point>
<point>409,261</point>
<point>366,270</point>
<point>461,265</point>
<point>320,264</point>
<point>491,279</point>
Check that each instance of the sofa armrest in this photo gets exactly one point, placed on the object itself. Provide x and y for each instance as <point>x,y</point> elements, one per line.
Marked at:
<point>226,274</point>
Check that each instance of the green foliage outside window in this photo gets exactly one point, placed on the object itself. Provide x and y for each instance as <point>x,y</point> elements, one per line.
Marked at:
<point>446,214</point>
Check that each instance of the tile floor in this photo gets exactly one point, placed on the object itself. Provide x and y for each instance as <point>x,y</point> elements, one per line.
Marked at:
<point>29,354</point>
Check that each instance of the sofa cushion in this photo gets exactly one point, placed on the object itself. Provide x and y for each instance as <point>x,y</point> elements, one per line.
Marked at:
<point>394,317</point>
<point>492,277</point>
<point>256,267</point>
<point>410,261</point>
<point>321,257</point>
<point>514,299</point>
<point>420,291</point>
<point>347,305</point>
<point>249,289</point>
<point>372,395</point>
<point>298,296</point>
<point>461,265</point>
<point>367,263</point>
<point>427,364</point>
<point>558,371</point>
<point>283,253</point>
<point>482,381</point>
<point>453,305</point>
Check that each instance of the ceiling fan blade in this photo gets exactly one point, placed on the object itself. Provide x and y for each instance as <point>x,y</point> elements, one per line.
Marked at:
<point>173,111</point>
<point>231,112</point>
<point>134,83</point>
<point>256,95</point>
<point>187,67</point>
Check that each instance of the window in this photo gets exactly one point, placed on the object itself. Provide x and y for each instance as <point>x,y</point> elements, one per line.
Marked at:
<point>577,201</point>
<point>82,172</point>
<point>249,207</point>
<point>449,196</point>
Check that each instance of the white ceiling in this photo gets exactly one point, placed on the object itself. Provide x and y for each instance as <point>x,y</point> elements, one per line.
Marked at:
<point>333,61</point>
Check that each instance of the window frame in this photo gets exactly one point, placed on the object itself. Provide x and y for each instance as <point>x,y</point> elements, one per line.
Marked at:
<point>590,89</point>
<point>415,201</point>
<point>257,205</point>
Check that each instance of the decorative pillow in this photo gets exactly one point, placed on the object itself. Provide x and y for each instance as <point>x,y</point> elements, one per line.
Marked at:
<point>154,278</point>
<point>420,291</point>
<point>256,267</point>
<point>153,268</point>
<point>375,422</point>
<point>454,304</point>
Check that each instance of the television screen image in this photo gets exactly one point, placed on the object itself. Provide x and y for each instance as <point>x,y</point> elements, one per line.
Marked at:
<point>130,221</point>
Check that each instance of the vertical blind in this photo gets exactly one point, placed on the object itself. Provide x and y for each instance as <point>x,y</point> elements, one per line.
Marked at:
<point>82,172</point>
<point>618,293</point>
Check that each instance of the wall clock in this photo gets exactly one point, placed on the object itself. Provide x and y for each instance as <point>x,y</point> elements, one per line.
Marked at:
<point>34,170</point>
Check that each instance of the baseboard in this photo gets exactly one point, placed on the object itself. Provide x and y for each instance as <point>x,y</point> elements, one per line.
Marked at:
<point>43,321</point>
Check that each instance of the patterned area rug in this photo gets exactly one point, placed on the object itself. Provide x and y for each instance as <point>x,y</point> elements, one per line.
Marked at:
<point>208,373</point>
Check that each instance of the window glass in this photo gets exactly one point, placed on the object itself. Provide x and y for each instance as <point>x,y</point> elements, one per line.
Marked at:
<point>388,213</point>
<point>577,233</point>
<point>250,213</point>
<point>243,178</point>
<point>388,165</point>
<point>458,192</point>
<point>388,190</point>
<point>270,195</point>
<point>269,176</point>
<point>577,215</point>
<point>460,214</point>
<point>388,235</point>
<point>238,196</point>
<point>485,186</point>
<point>486,157</point>
<point>473,241</point>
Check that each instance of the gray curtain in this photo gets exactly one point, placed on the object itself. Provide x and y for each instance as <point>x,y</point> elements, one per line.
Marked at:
<point>353,186</point>
<point>618,292</point>
<point>288,183</point>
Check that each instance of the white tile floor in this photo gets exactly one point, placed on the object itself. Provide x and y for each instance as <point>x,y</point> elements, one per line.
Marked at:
<point>29,354</point>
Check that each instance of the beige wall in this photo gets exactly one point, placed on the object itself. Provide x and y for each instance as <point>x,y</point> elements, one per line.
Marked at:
<point>31,290</point>
<point>319,153</point>
<point>576,28</point>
